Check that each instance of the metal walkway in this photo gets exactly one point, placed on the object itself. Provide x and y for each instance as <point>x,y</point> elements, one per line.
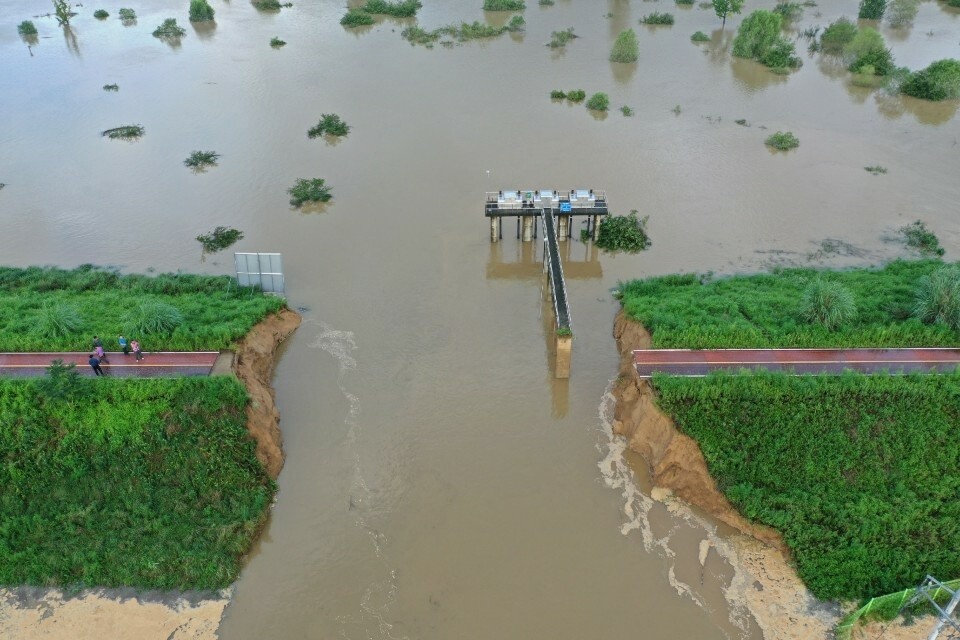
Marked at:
<point>561,306</point>
<point>693,363</point>
<point>154,364</point>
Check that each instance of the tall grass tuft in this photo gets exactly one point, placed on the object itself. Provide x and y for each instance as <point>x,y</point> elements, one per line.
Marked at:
<point>58,320</point>
<point>151,317</point>
<point>782,141</point>
<point>827,303</point>
<point>504,5</point>
<point>626,48</point>
<point>657,17</point>
<point>938,298</point>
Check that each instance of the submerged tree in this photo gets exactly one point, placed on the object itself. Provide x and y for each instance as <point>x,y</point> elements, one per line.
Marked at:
<point>61,10</point>
<point>725,7</point>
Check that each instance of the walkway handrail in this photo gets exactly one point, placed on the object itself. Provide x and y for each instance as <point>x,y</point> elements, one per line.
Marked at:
<point>561,307</point>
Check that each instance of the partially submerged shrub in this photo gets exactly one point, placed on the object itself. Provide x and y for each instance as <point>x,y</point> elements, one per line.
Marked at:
<point>626,111</point>
<point>623,233</point>
<point>757,35</point>
<point>271,5</point>
<point>867,48</point>
<point>577,95</point>
<point>200,11</point>
<point>169,29</point>
<point>357,18</point>
<point>876,169</point>
<point>545,3</point>
<point>151,317</point>
<point>400,9</point>
<point>100,14</point>
<point>556,94</point>
<point>504,5</point>
<point>201,159</point>
<point>781,56</point>
<point>872,9</point>
<point>312,190</point>
<point>330,124</point>
<point>685,2</point>
<point>561,38</point>
<point>700,36</point>
<point>918,237</point>
<point>827,303</point>
<point>937,299</point>
<point>126,132</point>
<point>27,28</point>
<point>625,49</point>
<point>788,10</point>
<point>127,15</point>
<point>111,87</point>
<point>219,239</point>
<point>939,81</point>
<point>838,35</point>
<point>900,13</point>
<point>598,102</point>
<point>782,141</point>
<point>276,43</point>
<point>58,321</point>
<point>657,18</point>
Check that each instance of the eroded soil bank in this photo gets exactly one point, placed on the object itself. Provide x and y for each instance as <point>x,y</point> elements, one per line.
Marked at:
<point>102,614</point>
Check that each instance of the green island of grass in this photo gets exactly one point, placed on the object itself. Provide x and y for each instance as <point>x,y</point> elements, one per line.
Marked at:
<point>110,482</point>
<point>857,472</point>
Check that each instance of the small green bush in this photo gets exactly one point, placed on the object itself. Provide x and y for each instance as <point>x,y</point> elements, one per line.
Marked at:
<point>919,237</point>
<point>700,36</point>
<point>556,94</point>
<point>577,95</point>
<point>953,3</point>
<point>151,317</point>
<point>276,43</point>
<point>625,49</point>
<point>626,111</point>
<point>127,15</point>
<point>126,132</point>
<point>200,11</point>
<point>201,159</point>
<point>781,55</point>
<point>330,124</point>
<point>867,48</point>
<point>838,35</point>
<point>100,14</point>
<point>939,81</point>
<point>657,18</point>
<point>312,190</point>
<point>937,299</point>
<point>561,38</point>
<point>57,321</point>
<point>757,34</point>
<point>357,18</point>
<point>827,303</point>
<point>27,28</point>
<point>504,5</point>
<point>564,332</point>
<point>219,239</point>
<point>872,9</point>
<point>169,29</point>
<point>623,233</point>
<point>782,141</point>
<point>111,87</point>
<point>598,102</point>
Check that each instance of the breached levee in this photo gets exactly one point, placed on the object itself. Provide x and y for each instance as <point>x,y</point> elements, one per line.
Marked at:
<point>30,612</point>
<point>764,582</point>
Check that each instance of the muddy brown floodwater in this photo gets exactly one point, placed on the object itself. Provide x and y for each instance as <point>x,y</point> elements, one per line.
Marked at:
<point>438,482</point>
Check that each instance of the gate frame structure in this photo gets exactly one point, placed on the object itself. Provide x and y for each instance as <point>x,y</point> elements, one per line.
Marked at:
<point>271,279</point>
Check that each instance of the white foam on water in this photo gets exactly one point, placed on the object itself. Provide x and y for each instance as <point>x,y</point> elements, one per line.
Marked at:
<point>617,474</point>
<point>372,621</point>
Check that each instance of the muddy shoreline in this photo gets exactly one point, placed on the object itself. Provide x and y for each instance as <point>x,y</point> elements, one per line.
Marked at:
<point>107,614</point>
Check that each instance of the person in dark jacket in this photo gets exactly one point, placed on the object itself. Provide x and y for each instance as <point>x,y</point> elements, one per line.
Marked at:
<point>95,364</point>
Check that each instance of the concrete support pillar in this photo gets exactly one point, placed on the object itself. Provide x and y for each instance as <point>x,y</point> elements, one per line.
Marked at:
<point>596,227</point>
<point>494,228</point>
<point>528,228</point>
<point>564,354</point>
<point>563,227</point>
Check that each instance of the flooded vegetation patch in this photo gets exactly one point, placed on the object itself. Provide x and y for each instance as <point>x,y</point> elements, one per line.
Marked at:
<point>270,5</point>
<point>401,9</point>
<point>101,14</point>
<point>560,39</point>
<point>624,233</point>
<point>657,17</point>
<point>789,11</point>
<point>782,141</point>
<point>758,38</point>
<point>462,32</point>
<point>876,170</point>
<point>169,459</point>
<point>598,102</point>
<point>686,3</point>
<point>126,132</point>
<point>545,3</point>
<point>504,5</point>
<point>309,190</point>
<point>868,53</point>
<point>917,236</point>
<point>625,48</point>
<point>219,239</point>
<point>577,95</point>
<point>201,159</point>
<point>127,16</point>
<point>276,43</point>
<point>837,35</point>
<point>111,87</point>
<point>556,94</point>
<point>201,11</point>
<point>700,36</point>
<point>872,9</point>
<point>27,28</point>
<point>626,111</point>
<point>357,18</point>
<point>330,124</point>
<point>939,81</point>
<point>169,29</point>
<point>901,13</point>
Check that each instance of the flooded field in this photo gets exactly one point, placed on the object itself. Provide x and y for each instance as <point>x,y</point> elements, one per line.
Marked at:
<point>439,482</point>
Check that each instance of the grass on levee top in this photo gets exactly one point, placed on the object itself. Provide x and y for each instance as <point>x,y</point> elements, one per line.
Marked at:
<point>52,309</point>
<point>692,312</point>
<point>859,473</point>
<point>149,483</point>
